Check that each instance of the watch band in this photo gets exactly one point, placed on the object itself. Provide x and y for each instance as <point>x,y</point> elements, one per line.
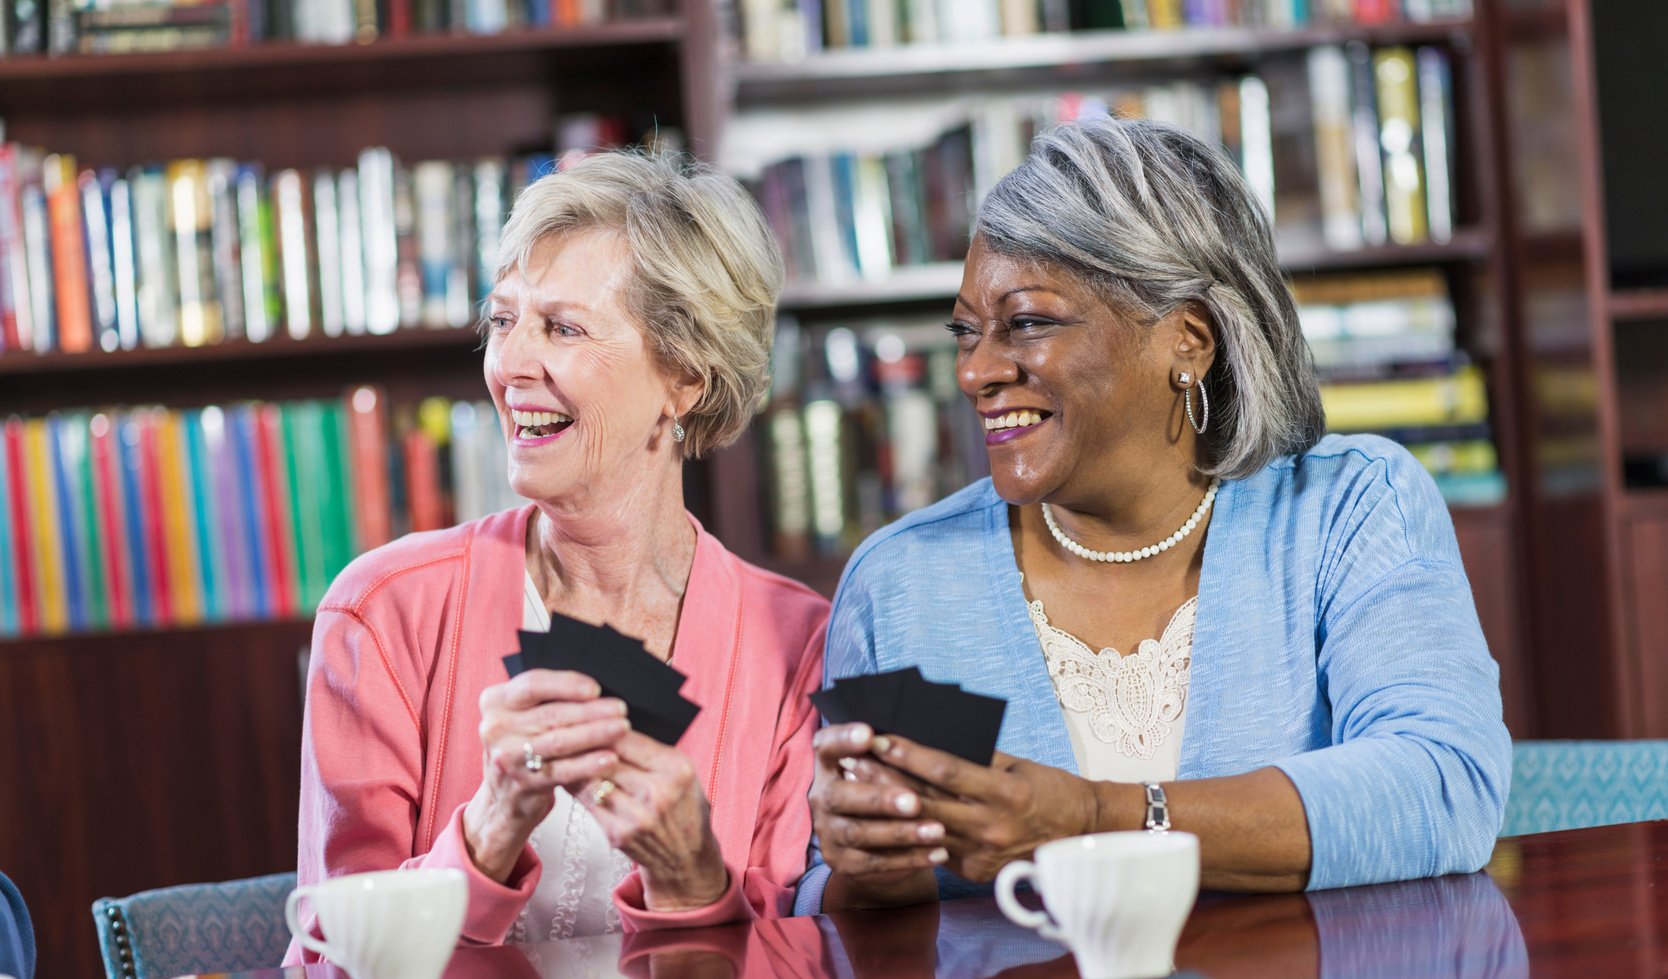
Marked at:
<point>1158,808</point>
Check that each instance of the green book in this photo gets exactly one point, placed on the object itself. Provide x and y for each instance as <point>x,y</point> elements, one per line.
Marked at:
<point>336,491</point>
<point>210,566</point>
<point>305,471</point>
<point>78,464</point>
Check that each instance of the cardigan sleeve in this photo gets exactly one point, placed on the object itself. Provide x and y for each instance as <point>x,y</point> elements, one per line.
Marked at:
<point>1414,782</point>
<point>361,782</point>
<point>764,887</point>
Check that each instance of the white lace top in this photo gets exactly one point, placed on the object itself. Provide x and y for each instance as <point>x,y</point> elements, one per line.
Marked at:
<point>574,898</point>
<point>1125,714</point>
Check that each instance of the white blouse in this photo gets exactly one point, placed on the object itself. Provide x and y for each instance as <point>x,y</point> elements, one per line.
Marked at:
<point>1125,714</point>
<point>575,896</point>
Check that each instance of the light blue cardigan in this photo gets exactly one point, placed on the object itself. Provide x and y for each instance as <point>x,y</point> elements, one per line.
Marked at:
<point>1335,639</point>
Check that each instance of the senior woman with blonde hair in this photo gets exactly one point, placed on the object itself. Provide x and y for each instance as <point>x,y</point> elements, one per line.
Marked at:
<point>629,329</point>
<point>1204,615</point>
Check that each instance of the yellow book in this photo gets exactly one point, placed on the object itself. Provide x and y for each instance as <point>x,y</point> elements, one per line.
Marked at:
<point>1457,399</point>
<point>1398,126</point>
<point>1466,458</point>
<point>178,534</point>
<point>51,590</point>
<point>1165,15</point>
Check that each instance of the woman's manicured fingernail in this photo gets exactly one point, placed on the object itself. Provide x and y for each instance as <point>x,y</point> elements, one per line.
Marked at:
<point>939,855</point>
<point>859,733</point>
<point>930,832</point>
<point>905,801</point>
<point>849,764</point>
<point>882,744</point>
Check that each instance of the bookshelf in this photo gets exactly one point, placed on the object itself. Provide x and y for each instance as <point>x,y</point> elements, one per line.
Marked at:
<point>169,754</point>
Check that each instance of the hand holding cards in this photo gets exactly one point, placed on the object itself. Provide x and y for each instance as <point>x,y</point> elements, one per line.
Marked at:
<point>619,664</point>
<point>902,702</point>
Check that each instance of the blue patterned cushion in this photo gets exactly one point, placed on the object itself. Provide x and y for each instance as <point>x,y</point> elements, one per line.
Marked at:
<point>1571,784</point>
<point>194,928</point>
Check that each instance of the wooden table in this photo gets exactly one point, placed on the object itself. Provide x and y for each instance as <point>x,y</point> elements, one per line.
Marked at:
<point>1581,903</point>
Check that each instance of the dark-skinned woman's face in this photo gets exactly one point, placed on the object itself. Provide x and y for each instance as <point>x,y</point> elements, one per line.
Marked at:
<point>1068,389</point>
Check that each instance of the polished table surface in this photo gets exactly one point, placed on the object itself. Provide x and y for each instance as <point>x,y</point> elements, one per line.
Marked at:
<point>1590,902</point>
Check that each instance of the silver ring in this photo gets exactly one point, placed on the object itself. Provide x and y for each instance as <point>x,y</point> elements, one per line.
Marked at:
<point>530,758</point>
<point>604,789</point>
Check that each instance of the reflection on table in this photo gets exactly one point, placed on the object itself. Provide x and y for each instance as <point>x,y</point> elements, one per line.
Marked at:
<point>1586,902</point>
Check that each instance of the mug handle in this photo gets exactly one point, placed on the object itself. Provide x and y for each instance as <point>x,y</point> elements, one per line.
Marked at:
<point>1018,913</point>
<point>291,907</point>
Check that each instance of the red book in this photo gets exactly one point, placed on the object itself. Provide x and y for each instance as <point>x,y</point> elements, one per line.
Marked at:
<point>1374,11</point>
<point>112,532</point>
<point>69,255</point>
<point>150,493</point>
<point>422,480</point>
<point>368,454</point>
<point>399,18</point>
<point>23,569</point>
<point>11,230</point>
<point>269,458</point>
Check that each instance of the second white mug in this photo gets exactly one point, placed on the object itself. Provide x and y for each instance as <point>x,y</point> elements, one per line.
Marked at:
<point>1117,900</point>
<point>391,924</point>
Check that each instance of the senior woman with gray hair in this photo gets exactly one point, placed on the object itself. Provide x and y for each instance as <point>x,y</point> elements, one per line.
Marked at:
<point>629,328</point>
<point>1202,613</point>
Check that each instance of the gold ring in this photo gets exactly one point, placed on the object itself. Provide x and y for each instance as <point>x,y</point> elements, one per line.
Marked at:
<point>600,794</point>
<point>530,758</point>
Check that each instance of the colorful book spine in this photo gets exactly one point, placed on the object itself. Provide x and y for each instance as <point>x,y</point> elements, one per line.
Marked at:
<point>151,465</point>
<point>130,449</point>
<point>22,553</point>
<point>48,541</point>
<point>69,254</point>
<point>336,491</point>
<point>230,555</point>
<point>368,440</point>
<point>245,437</point>
<point>210,572</point>
<point>281,567</point>
<point>102,454</point>
<point>67,438</point>
<point>302,468</point>
<point>16,322</point>
<point>179,537</point>
<point>10,601</point>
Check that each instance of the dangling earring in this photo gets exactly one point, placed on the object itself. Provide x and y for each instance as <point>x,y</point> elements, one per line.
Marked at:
<point>678,434</point>
<point>1187,401</point>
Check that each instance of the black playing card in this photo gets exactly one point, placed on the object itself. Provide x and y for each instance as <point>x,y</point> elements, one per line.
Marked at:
<point>902,702</point>
<point>620,665</point>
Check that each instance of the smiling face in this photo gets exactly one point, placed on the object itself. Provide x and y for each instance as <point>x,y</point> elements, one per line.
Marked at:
<point>1076,399</point>
<point>584,404</point>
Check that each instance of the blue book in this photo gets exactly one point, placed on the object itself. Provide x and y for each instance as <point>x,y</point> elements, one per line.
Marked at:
<point>202,491</point>
<point>72,529</point>
<point>230,559</point>
<point>857,22</point>
<point>9,618</point>
<point>127,447</point>
<point>844,168</point>
<point>241,433</point>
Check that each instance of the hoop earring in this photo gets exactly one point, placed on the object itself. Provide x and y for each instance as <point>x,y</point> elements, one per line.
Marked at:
<point>678,434</point>
<point>1187,402</point>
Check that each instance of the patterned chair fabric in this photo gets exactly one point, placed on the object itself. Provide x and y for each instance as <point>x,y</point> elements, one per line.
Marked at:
<point>175,931</point>
<point>1573,784</point>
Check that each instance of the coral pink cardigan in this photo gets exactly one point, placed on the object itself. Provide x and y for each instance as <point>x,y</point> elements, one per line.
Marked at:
<point>411,633</point>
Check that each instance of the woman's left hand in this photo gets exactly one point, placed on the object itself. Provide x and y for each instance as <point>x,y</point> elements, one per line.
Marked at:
<point>993,816</point>
<point>657,814</point>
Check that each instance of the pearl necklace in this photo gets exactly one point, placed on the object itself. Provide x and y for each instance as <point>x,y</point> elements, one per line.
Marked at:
<point>1124,557</point>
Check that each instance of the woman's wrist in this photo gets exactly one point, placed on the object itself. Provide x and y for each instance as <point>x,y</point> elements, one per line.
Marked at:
<point>692,884</point>
<point>493,851</point>
<point>1118,806</point>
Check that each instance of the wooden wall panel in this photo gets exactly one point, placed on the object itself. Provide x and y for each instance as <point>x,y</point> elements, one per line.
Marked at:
<point>143,760</point>
<point>1645,590</point>
<point>1492,563</point>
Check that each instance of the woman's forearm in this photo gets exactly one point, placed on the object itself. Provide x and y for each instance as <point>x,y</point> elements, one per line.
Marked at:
<point>1253,834</point>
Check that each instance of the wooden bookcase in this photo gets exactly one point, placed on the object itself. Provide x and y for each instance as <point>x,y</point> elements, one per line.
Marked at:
<point>143,759</point>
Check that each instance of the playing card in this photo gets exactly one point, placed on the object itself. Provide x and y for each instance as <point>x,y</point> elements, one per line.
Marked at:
<point>902,702</point>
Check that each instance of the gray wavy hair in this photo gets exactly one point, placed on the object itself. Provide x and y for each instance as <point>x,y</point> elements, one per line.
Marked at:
<point>1157,218</point>
<point>708,270</point>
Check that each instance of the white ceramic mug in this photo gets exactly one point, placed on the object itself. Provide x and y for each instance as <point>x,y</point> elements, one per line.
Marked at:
<point>391,924</point>
<point>1117,900</point>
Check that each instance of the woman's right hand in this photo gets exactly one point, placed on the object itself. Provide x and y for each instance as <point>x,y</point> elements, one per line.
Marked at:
<point>866,819</point>
<point>558,716</point>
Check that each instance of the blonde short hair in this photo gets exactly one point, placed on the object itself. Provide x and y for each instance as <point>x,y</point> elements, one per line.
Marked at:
<point>708,270</point>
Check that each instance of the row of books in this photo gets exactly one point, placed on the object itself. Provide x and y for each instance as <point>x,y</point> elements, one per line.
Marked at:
<point>1346,146</point>
<point>787,30</point>
<point>1385,349</point>
<point>151,517</point>
<point>33,27</point>
<point>199,251</point>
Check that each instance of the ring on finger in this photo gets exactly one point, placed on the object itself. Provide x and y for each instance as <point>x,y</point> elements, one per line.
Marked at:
<point>531,759</point>
<point>604,789</point>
